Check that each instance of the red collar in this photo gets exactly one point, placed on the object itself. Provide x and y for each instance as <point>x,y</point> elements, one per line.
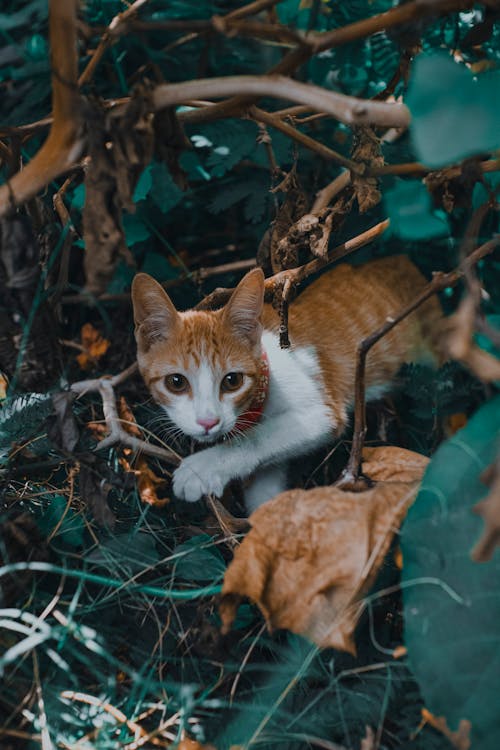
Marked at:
<point>253,414</point>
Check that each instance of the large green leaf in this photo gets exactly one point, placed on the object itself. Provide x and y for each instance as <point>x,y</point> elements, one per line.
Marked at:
<point>454,115</point>
<point>452,604</point>
<point>199,560</point>
<point>56,516</point>
<point>408,206</point>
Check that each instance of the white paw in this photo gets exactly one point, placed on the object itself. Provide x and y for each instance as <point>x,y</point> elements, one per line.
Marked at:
<point>198,475</point>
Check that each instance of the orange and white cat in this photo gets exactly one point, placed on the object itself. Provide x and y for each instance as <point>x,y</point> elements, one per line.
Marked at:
<point>223,379</point>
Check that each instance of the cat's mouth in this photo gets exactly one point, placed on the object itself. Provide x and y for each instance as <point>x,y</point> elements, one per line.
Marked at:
<point>208,438</point>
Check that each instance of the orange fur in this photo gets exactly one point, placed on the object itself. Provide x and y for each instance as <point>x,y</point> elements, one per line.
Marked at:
<point>344,306</point>
<point>310,386</point>
<point>333,315</point>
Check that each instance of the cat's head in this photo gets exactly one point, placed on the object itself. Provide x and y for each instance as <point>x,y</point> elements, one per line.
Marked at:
<point>203,367</point>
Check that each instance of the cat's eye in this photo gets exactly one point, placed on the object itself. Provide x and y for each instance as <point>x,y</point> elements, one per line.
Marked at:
<point>177,383</point>
<point>232,381</point>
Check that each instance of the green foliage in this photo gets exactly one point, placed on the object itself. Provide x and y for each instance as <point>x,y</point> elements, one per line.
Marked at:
<point>129,552</point>
<point>454,115</point>
<point>24,417</point>
<point>408,206</point>
<point>55,518</point>
<point>451,603</point>
<point>119,638</point>
<point>198,560</point>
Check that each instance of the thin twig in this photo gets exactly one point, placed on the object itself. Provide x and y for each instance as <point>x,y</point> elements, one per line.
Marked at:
<point>197,276</point>
<point>351,477</point>
<point>397,16</point>
<point>105,387</point>
<point>119,25</point>
<point>315,42</point>
<point>285,301</point>
<point>325,196</point>
<point>296,275</point>
<point>305,140</point>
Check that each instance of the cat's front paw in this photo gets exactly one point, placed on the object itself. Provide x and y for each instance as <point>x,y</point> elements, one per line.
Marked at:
<point>200,474</point>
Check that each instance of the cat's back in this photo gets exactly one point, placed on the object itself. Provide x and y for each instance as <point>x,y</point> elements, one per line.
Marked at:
<point>351,290</point>
<point>347,304</point>
<point>353,299</point>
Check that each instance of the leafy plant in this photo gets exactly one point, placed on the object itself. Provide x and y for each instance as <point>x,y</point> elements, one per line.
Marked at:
<point>451,604</point>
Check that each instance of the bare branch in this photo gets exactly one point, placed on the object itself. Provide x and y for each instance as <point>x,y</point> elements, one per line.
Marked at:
<point>402,14</point>
<point>276,283</point>
<point>196,276</point>
<point>351,478</point>
<point>315,42</point>
<point>118,26</point>
<point>105,387</point>
<point>64,143</point>
<point>347,109</point>
<point>326,195</point>
<point>305,140</point>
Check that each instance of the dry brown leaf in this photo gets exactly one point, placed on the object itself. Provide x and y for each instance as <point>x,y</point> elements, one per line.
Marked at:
<point>391,464</point>
<point>129,422</point>
<point>454,422</point>
<point>188,744</point>
<point>459,739</point>
<point>148,483</point>
<point>3,387</point>
<point>312,554</point>
<point>94,346</point>
<point>366,151</point>
<point>119,148</point>
<point>284,242</point>
<point>489,509</point>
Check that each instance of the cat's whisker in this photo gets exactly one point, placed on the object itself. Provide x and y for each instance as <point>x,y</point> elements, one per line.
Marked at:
<point>297,399</point>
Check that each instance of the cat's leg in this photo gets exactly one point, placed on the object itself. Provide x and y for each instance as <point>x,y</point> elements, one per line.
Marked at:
<point>268,482</point>
<point>275,440</point>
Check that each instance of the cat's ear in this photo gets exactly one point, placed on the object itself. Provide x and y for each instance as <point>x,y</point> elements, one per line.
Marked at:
<point>154,314</point>
<point>242,312</point>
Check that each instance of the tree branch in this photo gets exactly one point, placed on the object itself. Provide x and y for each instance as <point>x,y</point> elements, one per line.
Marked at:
<point>305,140</point>
<point>64,143</point>
<point>119,25</point>
<point>402,14</point>
<point>315,42</point>
<point>347,109</point>
<point>275,283</point>
<point>351,476</point>
<point>105,387</point>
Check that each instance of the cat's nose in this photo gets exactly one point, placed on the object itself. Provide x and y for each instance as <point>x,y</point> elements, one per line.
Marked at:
<point>208,423</point>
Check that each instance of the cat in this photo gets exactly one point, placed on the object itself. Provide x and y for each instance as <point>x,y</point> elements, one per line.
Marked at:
<point>223,379</point>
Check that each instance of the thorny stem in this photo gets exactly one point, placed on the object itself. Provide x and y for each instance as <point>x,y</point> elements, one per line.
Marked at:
<point>351,477</point>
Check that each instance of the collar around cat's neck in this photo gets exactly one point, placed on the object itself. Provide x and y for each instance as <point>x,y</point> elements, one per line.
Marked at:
<point>253,414</point>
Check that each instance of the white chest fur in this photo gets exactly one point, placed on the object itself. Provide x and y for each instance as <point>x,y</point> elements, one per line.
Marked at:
<point>295,421</point>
